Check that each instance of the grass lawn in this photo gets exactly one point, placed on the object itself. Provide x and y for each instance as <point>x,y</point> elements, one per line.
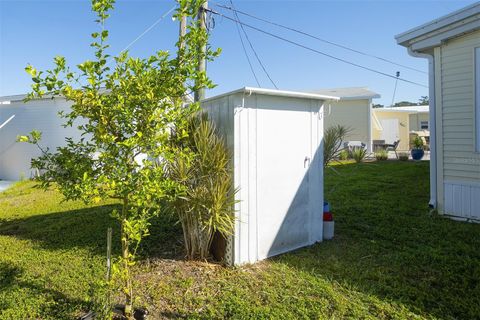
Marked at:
<point>390,259</point>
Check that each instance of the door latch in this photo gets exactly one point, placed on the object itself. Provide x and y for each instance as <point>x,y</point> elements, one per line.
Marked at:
<point>306,161</point>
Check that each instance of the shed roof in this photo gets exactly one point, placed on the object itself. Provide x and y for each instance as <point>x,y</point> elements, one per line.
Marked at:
<point>350,93</point>
<point>433,33</point>
<point>272,92</point>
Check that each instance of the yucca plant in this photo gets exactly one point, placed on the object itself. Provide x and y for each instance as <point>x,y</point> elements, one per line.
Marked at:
<point>206,204</point>
<point>359,154</point>
<point>381,155</point>
<point>343,155</point>
<point>333,139</point>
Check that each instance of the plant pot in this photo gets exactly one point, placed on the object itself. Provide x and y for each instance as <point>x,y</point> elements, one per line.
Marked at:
<point>417,154</point>
<point>138,313</point>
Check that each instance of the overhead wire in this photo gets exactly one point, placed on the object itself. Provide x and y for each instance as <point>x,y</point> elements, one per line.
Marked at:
<point>318,38</point>
<point>148,29</point>
<point>315,50</point>
<point>246,54</point>
<point>253,49</point>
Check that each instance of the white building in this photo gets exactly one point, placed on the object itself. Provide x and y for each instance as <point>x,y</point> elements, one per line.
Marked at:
<point>452,46</point>
<point>353,110</point>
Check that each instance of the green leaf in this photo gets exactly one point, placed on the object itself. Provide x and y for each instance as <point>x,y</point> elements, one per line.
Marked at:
<point>31,70</point>
<point>22,139</point>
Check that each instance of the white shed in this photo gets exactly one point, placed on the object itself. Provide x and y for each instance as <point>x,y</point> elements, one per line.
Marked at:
<point>19,118</point>
<point>277,142</point>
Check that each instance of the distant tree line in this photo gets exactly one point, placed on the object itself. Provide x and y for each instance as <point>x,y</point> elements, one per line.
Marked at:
<point>424,100</point>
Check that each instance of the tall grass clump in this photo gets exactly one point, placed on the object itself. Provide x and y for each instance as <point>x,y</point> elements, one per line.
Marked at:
<point>343,155</point>
<point>359,154</point>
<point>381,155</point>
<point>333,139</point>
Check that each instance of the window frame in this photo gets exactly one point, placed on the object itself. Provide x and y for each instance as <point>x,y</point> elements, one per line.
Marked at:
<point>422,125</point>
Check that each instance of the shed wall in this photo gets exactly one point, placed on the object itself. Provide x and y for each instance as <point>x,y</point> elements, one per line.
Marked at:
<point>258,140</point>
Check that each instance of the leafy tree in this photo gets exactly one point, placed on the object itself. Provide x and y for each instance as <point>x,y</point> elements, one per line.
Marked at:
<point>125,114</point>
<point>404,104</point>
<point>424,100</point>
<point>377,105</point>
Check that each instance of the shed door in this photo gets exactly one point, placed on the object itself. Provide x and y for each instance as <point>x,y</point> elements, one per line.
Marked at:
<point>283,156</point>
<point>390,131</point>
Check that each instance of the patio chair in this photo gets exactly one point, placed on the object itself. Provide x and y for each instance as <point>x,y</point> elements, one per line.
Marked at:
<point>352,145</point>
<point>393,147</point>
<point>378,144</point>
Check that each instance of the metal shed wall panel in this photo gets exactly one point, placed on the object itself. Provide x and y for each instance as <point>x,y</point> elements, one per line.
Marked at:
<point>41,115</point>
<point>462,199</point>
<point>280,192</point>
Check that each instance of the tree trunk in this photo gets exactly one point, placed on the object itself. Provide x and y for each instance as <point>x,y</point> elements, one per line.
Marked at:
<point>127,285</point>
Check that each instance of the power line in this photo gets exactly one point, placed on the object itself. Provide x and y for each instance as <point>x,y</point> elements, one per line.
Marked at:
<point>253,49</point>
<point>315,50</point>
<point>318,38</point>
<point>148,29</point>
<point>246,54</point>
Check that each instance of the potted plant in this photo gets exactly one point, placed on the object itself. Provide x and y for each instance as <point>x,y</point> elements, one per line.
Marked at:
<point>417,150</point>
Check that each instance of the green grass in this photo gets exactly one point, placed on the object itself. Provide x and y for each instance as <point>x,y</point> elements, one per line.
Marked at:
<point>390,259</point>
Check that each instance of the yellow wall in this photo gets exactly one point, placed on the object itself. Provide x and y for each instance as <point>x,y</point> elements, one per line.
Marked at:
<point>352,114</point>
<point>416,119</point>
<point>403,130</point>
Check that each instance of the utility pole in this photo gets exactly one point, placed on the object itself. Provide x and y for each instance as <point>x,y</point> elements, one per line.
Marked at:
<point>183,30</point>
<point>395,89</point>
<point>202,17</point>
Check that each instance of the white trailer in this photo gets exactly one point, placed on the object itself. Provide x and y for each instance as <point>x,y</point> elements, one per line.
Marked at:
<point>276,138</point>
<point>20,118</point>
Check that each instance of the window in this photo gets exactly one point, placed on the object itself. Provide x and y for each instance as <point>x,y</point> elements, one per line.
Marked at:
<point>477,99</point>
<point>424,125</point>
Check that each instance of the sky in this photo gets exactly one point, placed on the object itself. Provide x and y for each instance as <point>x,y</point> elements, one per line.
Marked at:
<point>35,31</point>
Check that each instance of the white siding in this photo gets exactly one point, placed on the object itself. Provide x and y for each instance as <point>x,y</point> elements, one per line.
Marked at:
<point>41,115</point>
<point>462,199</point>
<point>459,163</point>
<point>477,99</point>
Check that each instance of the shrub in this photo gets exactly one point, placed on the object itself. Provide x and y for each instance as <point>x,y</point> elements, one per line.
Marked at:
<point>359,154</point>
<point>333,139</point>
<point>344,155</point>
<point>381,155</point>
<point>207,198</point>
<point>403,156</point>
<point>417,143</point>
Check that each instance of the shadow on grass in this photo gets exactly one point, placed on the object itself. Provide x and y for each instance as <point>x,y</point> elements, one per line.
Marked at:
<point>388,245</point>
<point>87,228</point>
<point>11,279</point>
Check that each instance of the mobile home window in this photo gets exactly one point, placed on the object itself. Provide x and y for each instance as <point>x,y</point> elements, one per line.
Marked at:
<point>424,125</point>
<point>477,99</point>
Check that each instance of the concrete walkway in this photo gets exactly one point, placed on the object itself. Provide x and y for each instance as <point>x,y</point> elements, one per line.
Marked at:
<point>4,185</point>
